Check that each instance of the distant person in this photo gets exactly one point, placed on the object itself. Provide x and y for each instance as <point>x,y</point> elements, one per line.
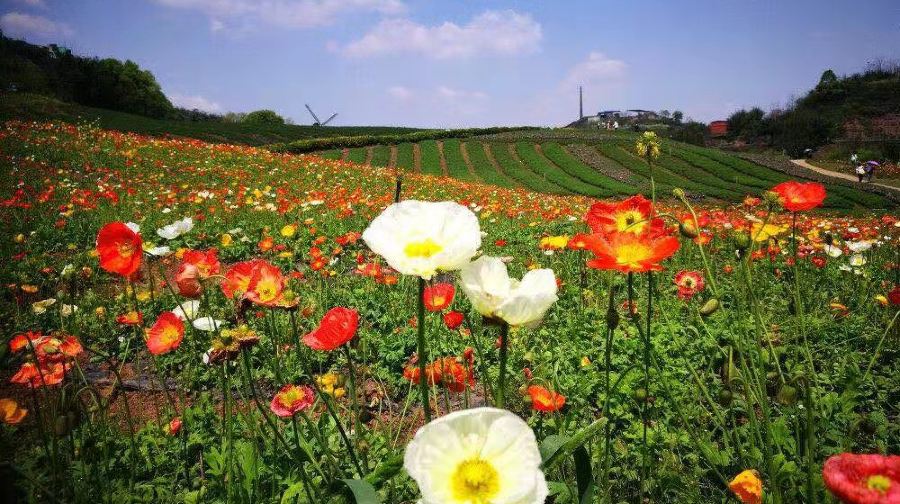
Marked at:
<point>616,125</point>
<point>860,173</point>
<point>870,171</point>
<point>854,158</point>
<point>807,153</point>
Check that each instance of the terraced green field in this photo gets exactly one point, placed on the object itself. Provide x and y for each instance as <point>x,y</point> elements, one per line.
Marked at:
<point>604,167</point>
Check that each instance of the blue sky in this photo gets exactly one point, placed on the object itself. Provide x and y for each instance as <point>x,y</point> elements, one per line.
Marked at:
<point>471,63</point>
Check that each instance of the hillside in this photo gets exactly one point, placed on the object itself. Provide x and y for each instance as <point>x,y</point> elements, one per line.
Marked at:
<point>601,165</point>
<point>26,106</point>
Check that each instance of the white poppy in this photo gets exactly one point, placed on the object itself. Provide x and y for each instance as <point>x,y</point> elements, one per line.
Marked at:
<point>857,260</point>
<point>833,251</point>
<point>208,324</point>
<point>39,307</point>
<point>176,229</point>
<point>476,456</point>
<point>135,228</point>
<point>493,293</point>
<point>187,310</point>
<point>859,246</point>
<point>158,251</point>
<point>421,238</point>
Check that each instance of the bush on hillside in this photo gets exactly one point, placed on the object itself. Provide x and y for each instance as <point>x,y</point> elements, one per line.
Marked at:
<point>263,117</point>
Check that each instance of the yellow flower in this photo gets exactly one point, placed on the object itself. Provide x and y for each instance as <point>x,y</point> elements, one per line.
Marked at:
<point>585,362</point>
<point>881,299</point>
<point>289,230</point>
<point>761,233</point>
<point>226,240</point>
<point>554,242</point>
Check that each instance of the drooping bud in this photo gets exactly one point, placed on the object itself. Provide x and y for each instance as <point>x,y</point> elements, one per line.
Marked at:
<point>709,307</point>
<point>688,230</point>
<point>612,319</point>
<point>678,193</point>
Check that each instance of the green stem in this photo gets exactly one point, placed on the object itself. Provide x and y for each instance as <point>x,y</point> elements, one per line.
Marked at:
<point>504,354</point>
<point>422,351</point>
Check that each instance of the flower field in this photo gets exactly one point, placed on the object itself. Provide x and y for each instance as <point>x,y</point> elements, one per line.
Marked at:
<point>195,322</point>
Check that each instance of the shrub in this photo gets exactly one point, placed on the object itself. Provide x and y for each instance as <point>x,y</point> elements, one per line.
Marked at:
<point>264,116</point>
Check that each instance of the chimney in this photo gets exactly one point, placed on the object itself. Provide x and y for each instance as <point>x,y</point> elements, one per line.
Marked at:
<point>580,104</point>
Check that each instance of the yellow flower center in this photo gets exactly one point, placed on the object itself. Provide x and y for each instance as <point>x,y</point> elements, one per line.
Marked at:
<point>126,249</point>
<point>632,253</point>
<point>293,396</point>
<point>266,290</point>
<point>425,248</point>
<point>169,335</point>
<point>631,221</point>
<point>879,483</point>
<point>475,481</point>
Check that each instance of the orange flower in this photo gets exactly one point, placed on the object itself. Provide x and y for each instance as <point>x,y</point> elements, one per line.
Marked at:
<point>10,412</point>
<point>632,215</point>
<point>291,399</point>
<point>266,244</point>
<point>119,249</point>
<point>579,242</point>
<point>545,400</point>
<point>24,340</point>
<point>438,296</point>
<point>237,278</point>
<point>131,318</point>
<point>166,334</point>
<point>206,262</point>
<point>631,253</point>
<point>338,326</point>
<point>173,427</point>
<point>56,349</point>
<point>266,284</point>
<point>800,196</point>
<point>747,487</point>
<point>31,374</point>
<point>188,280</point>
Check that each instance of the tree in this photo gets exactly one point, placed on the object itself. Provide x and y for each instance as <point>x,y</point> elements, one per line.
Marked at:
<point>678,116</point>
<point>828,78</point>
<point>263,117</point>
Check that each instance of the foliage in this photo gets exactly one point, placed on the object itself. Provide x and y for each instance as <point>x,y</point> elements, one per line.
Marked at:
<point>302,146</point>
<point>263,117</point>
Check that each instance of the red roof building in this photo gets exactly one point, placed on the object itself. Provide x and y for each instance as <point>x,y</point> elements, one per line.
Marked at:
<point>718,128</point>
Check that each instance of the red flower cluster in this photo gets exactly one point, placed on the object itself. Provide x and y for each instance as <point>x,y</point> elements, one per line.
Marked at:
<point>627,237</point>
<point>451,372</point>
<point>54,354</point>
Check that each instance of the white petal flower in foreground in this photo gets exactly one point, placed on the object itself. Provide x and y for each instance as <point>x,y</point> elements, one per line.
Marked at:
<point>481,455</point>
<point>176,229</point>
<point>421,238</point>
<point>208,324</point>
<point>494,294</point>
<point>187,310</point>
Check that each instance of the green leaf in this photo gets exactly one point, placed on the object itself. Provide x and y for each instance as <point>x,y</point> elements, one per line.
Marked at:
<point>290,495</point>
<point>551,444</point>
<point>584,475</point>
<point>569,446</point>
<point>363,491</point>
<point>385,471</point>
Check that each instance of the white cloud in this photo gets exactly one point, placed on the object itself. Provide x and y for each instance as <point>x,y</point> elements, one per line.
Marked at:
<point>18,24</point>
<point>216,26</point>
<point>192,102</point>
<point>489,33</point>
<point>37,4</point>
<point>598,71</point>
<point>287,13</point>
<point>458,94</point>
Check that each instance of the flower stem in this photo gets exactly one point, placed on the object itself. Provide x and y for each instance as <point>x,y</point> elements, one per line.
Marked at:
<point>422,351</point>
<point>504,352</point>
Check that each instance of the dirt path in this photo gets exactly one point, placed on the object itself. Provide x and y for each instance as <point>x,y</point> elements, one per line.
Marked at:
<point>393,161</point>
<point>370,151</point>
<point>805,164</point>
<point>417,158</point>
<point>444,171</point>
<point>345,154</point>
<point>465,156</point>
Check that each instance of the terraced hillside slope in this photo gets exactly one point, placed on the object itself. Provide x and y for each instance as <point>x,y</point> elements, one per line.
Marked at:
<point>557,162</point>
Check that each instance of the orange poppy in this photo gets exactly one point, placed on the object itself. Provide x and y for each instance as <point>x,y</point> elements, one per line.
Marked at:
<point>337,327</point>
<point>53,348</point>
<point>24,340</point>
<point>237,278</point>
<point>10,412</point>
<point>438,296</point>
<point>800,196</point>
<point>545,400</point>
<point>266,284</point>
<point>747,487</point>
<point>131,318</point>
<point>166,334</point>
<point>633,215</point>
<point>631,253</point>
<point>291,399</point>
<point>119,249</point>
<point>207,262</point>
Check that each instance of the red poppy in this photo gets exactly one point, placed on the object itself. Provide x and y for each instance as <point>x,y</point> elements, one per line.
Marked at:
<point>818,261</point>
<point>207,262</point>
<point>120,249</point>
<point>338,326</point>
<point>631,253</point>
<point>38,376</point>
<point>863,479</point>
<point>174,426</point>
<point>292,399</point>
<point>453,319</point>
<point>131,318</point>
<point>237,278</point>
<point>689,283</point>
<point>579,241</point>
<point>800,196</point>
<point>266,284</point>
<point>187,279</point>
<point>545,400</point>
<point>57,349</point>
<point>438,296</point>
<point>894,295</point>
<point>633,215</point>
<point>24,340</point>
<point>166,334</point>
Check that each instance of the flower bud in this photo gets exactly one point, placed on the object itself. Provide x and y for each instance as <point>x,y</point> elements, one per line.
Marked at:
<point>678,193</point>
<point>741,241</point>
<point>709,307</point>
<point>612,319</point>
<point>688,230</point>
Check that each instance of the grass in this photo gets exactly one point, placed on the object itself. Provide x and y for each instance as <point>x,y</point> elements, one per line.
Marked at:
<point>431,157</point>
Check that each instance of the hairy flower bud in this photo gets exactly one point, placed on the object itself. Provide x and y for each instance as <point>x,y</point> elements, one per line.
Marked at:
<point>709,307</point>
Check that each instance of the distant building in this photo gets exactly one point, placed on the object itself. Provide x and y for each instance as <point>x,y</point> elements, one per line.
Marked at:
<point>718,128</point>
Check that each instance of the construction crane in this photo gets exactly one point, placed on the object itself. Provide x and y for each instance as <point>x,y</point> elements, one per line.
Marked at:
<point>316,118</point>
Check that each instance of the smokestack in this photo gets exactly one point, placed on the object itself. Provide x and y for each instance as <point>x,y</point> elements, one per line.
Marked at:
<point>580,104</point>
